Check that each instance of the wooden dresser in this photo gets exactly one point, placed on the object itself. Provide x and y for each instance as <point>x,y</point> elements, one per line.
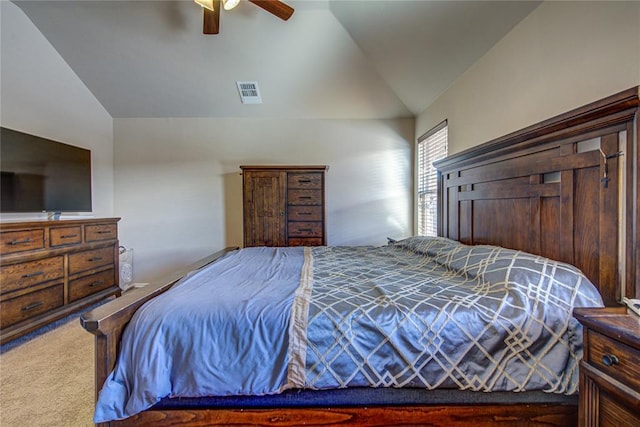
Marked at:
<point>284,205</point>
<point>49,269</point>
<point>610,368</point>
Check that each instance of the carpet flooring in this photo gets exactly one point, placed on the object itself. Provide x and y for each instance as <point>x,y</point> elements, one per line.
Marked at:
<point>48,380</point>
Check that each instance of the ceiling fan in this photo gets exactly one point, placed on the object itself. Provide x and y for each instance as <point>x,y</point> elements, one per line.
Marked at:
<point>211,9</point>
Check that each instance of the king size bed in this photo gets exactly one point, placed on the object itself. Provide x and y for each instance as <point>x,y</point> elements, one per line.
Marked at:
<point>474,326</point>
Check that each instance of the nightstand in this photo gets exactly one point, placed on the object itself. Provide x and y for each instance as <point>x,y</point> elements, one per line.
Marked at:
<point>610,367</point>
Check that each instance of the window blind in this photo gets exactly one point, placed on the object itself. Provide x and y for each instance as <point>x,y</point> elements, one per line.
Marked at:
<point>432,146</point>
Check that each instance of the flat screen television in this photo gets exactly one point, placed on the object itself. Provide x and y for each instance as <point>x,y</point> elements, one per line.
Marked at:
<point>39,174</point>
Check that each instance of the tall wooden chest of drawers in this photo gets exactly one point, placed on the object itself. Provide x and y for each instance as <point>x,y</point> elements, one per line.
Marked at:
<point>284,205</point>
<point>49,269</point>
<point>610,368</point>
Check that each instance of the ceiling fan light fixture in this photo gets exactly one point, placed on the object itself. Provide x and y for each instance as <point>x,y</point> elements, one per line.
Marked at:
<point>230,4</point>
<point>207,4</point>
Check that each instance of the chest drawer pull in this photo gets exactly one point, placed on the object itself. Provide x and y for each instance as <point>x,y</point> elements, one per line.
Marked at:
<point>96,283</point>
<point>610,360</point>
<point>98,258</point>
<point>68,236</point>
<point>32,306</point>
<point>34,274</point>
<point>20,242</point>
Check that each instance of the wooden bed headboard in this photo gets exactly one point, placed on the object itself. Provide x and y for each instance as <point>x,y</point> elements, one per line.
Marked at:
<point>565,188</point>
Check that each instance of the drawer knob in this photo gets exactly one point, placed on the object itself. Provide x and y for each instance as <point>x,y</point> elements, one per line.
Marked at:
<point>32,306</point>
<point>28,275</point>
<point>610,360</point>
<point>19,242</point>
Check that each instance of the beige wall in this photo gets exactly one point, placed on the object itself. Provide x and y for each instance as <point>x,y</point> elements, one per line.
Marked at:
<point>41,95</point>
<point>178,185</point>
<point>563,55</point>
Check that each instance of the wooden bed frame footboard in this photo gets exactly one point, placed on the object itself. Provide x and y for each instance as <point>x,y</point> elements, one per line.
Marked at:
<point>424,415</point>
<point>545,177</point>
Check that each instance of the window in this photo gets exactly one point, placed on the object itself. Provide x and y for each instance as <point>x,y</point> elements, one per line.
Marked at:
<point>432,146</point>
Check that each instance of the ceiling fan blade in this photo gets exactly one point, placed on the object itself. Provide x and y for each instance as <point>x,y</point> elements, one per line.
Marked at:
<point>211,19</point>
<point>275,7</point>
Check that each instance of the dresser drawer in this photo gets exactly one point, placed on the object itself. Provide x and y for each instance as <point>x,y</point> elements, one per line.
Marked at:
<point>25,274</point>
<point>304,213</point>
<point>82,261</point>
<point>29,305</point>
<point>305,241</point>
<point>614,358</point>
<point>304,180</point>
<point>304,229</point>
<point>20,241</point>
<point>304,197</point>
<point>98,232</point>
<point>91,284</point>
<point>61,236</point>
<point>611,413</point>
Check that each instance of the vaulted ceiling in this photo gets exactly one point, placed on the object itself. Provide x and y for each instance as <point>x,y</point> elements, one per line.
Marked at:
<point>332,59</point>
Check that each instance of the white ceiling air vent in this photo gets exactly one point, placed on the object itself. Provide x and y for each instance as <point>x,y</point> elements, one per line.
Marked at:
<point>249,92</point>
